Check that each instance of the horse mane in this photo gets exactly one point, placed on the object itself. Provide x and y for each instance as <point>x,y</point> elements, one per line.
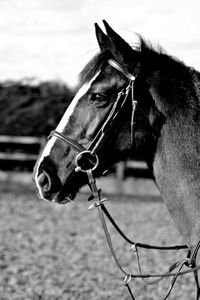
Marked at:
<point>101,58</point>
<point>165,73</point>
<point>148,52</point>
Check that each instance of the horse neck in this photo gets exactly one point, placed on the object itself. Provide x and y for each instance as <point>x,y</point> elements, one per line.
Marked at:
<point>176,163</point>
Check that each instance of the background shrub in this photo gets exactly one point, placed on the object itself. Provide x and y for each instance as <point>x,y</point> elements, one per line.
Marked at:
<point>30,108</point>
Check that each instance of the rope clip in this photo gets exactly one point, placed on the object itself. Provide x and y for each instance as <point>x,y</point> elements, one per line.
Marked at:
<point>98,203</point>
<point>133,248</point>
<point>127,279</point>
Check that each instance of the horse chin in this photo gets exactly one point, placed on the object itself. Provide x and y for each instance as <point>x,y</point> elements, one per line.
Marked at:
<point>60,198</point>
<point>63,199</point>
<point>69,190</point>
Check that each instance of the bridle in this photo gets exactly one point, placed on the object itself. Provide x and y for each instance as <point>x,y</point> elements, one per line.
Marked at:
<point>89,154</point>
<point>97,141</point>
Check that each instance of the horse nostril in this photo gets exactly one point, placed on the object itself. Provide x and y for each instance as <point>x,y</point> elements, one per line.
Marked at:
<point>44,181</point>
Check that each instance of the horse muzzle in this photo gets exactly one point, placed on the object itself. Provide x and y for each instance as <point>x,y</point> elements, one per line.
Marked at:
<point>52,187</point>
<point>46,185</point>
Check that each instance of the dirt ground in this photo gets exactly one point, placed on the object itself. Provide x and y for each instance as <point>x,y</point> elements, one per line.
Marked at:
<point>59,252</point>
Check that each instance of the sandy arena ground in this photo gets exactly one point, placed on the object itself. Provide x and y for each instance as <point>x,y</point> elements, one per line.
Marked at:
<point>60,253</point>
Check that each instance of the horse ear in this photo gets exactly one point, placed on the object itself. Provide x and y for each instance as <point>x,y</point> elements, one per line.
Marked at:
<point>101,37</point>
<point>121,50</point>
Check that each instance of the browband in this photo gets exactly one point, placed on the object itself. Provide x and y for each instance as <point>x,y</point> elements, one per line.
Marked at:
<point>115,65</point>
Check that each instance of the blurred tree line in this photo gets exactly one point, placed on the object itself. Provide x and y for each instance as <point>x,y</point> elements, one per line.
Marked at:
<point>30,108</point>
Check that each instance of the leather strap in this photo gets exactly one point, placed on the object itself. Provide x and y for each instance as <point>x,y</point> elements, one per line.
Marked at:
<point>67,140</point>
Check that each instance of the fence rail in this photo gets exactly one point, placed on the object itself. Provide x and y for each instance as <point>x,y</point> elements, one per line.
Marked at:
<point>19,152</point>
<point>18,156</point>
<point>29,140</point>
<point>134,168</point>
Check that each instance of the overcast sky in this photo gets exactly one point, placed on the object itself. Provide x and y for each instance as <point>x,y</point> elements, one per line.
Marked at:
<point>53,39</point>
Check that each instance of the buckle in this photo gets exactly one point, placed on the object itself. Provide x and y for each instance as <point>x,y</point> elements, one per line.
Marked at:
<point>98,203</point>
<point>86,161</point>
<point>127,279</point>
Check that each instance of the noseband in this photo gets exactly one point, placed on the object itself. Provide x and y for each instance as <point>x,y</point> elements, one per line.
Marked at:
<point>96,143</point>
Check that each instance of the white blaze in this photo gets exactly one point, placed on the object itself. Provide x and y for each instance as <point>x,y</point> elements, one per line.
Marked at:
<point>61,126</point>
<point>83,90</point>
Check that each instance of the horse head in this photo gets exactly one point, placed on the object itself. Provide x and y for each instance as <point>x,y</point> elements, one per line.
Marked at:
<point>107,88</point>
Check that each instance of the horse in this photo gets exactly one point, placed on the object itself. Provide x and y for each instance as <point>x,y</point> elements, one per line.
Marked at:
<point>132,101</point>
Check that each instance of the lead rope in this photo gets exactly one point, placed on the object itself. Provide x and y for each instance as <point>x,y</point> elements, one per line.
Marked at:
<point>98,204</point>
<point>188,261</point>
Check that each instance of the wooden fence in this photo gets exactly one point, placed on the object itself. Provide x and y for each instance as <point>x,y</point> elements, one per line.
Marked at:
<point>19,152</point>
<point>134,168</point>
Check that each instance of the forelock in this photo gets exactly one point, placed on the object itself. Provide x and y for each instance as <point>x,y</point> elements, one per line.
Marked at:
<point>94,66</point>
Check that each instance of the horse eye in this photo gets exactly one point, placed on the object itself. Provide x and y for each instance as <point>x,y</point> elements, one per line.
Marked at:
<point>98,97</point>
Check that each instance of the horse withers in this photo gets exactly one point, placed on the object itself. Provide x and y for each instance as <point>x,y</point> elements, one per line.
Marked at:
<point>99,120</point>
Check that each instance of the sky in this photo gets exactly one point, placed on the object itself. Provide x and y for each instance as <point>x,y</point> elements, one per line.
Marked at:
<point>53,39</point>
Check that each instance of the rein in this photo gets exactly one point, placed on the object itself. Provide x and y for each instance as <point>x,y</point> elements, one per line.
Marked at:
<point>174,271</point>
<point>87,161</point>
